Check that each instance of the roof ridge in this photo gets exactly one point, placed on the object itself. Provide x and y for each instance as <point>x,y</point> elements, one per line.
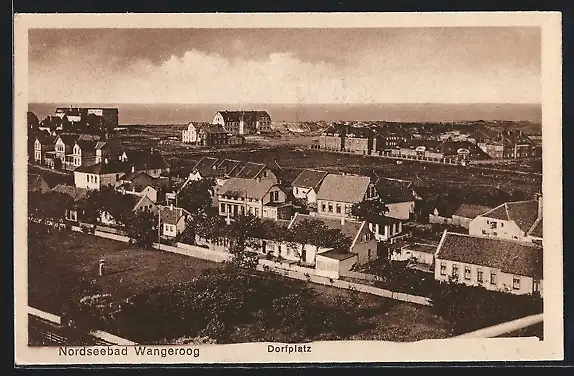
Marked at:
<point>493,209</point>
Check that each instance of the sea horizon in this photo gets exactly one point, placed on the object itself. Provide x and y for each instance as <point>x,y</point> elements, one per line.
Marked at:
<point>182,113</point>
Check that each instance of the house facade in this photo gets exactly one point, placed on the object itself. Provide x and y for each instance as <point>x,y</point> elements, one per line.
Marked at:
<point>64,147</point>
<point>495,264</point>
<point>98,175</point>
<point>243,122</point>
<point>172,220</point>
<point>73,214</point>
<point>42,145</point>
<point>142,203</point>
<point>519,220</point>
<point>83,154</point>
<point>307,183</point>
<point>466,213</point>
<point>338,193</point>
<point>261,198</point>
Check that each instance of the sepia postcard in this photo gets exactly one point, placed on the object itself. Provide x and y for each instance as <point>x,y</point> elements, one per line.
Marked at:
<point>287,188</point>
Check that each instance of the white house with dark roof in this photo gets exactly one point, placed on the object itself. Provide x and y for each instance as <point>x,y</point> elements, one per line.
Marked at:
<point>493,263</point>
<point>77,195</point>
<point>100,174</point>
<point>519,220</point>
<point>398,195</point>
<point>243,122</point>
<point>338,193</point>
<point>466,213</point>
<point>261,198</point>
<point>307,184</point>
<point>363,242</point>
<point>172,220</point>
<point>149,161</point>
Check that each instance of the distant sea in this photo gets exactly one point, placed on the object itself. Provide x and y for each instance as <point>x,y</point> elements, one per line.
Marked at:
<point>183,113</point>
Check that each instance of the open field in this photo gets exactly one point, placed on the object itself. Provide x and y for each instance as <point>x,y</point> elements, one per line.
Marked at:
<point>56,266</point>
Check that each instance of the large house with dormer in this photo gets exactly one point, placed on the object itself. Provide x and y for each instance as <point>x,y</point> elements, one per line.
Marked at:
<point>262,198</point>
<point>243,122</point>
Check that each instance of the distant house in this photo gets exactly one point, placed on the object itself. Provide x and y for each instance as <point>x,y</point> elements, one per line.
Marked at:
<point>42,145</point>
<point>363,243</point>
<point>243,122</point>
<point>78,195</point>
<point>172,220</point>
<point>307,184</point>
<point>83,154</point>
<point>64,147</point>
<point>519,220</point>
<point>261,198</point>
<point>206,167</point>
<point>205,134</point>
<point>399,196</point>
<point>338,193</point>
<point>37,183</point>
<point>103,151</point>
<point>508,144</point>
<point>493,263</point>
<point>138,203</point>
<point>100,174</point>
<point>149,161</point>
<point>466,213</point>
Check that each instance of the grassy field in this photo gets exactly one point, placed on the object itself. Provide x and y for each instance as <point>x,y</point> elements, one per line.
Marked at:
<point>56,266</point>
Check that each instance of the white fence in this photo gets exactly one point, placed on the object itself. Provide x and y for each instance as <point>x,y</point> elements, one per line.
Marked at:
<point>104,336</point>
<point>108,235</point>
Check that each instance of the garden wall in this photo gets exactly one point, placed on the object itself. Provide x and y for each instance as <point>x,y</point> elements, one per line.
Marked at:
<point>108,235</point>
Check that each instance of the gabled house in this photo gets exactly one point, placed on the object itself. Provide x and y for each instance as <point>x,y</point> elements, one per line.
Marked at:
<point>172,220</point>
<point>519,220</point>
<point>42,145</point>
<point>100,174</point>
<point>138,203</point>
<point>206,167</point>
<point>148,161</point>
<point>262,198</point>
<point>493,263</point>
<point>103,151</point>
<point>466,213</point>
<point>64,147</point>
<point>141,184</point>
<point>363,244</point>
<point>83,154</point>
<point>399,196</point>
<point>78,195</point>
<point>252,170</point>
<point>243,122</point>
<point>338,193</point>
<point>307,184</point>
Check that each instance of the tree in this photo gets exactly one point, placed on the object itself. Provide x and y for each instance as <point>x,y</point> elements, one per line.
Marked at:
<point>212,228</point>
<point>50,205</point>
<point>107,199</point>
<point>196,197</point>
<point>142,227</point>
<point>244,231</point>
<point>33,122</point>
<point>369,210</point>
<point>316,233</point>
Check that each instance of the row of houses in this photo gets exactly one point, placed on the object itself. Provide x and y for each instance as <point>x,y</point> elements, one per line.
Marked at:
<point>452,146</point>
<point>227,128</point>
<point>69,151</point>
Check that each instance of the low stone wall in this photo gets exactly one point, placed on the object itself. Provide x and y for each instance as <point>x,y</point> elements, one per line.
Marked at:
<point>108,235</point>
<point>357,275</point>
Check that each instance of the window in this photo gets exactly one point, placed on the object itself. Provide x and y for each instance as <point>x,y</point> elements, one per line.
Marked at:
<point>222,208</point>
<point>467,273</point>
<point>493,278</point>
<point>296,190</point>
<point>330,207</point>
<point>338,208</point>
<point>455,270</point>
<point>443,268</point>
<point>493,225</point>
<point>347,209</point>
<point>516,283</point>
<point>479,275</point>
<point>483,232</point>
<point>323,206</point>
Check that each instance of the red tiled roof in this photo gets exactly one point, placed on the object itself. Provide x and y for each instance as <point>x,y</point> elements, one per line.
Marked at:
<point>171,215</point>
<point>509,256</point>
<point>395,190</point>
<point>245,188</point>
<point>251,170</point>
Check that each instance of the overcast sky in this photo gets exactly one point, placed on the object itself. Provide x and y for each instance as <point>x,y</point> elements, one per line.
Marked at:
<point>441,65</point>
